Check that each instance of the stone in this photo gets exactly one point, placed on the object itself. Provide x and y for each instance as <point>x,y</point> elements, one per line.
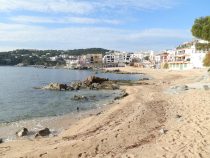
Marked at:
<point>181,88</point>
<point>22,132</point>
<point>144,78</point>
<point>43,132</point>
<point>178,116</point>
<point>56,86</point>
<point>93,79</point>
<point>1,140</point>
<point>79,97</point>
<point>163,131</point>
<point>206,87</point>
<point>63,86</point>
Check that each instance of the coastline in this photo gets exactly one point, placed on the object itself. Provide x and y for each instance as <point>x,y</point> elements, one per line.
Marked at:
<point>57,124</point>
<point>143,124</point>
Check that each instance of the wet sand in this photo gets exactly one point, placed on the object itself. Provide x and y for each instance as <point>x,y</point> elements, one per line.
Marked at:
<point>148,123</point>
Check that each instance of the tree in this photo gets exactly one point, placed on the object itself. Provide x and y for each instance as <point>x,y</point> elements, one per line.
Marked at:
<point>201,28</point>
<point>206,61</point>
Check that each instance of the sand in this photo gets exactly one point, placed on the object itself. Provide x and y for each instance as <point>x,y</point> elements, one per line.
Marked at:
<point>148,123</point>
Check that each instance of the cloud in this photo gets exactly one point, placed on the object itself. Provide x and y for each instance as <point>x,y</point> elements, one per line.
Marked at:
<point>24,36</point>
<point>63,20</point>
<point>137,4</point>
<point>81,6</point>
<point>57,6</point>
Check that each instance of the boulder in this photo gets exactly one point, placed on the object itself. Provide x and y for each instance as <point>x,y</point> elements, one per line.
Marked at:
<point>76,85</point>
<point>1,140</point>
<point>93,79</point>
<point>22,132</point>
<point>95,86</point>
<point>56,86</point>
<point>43,133</point>
<point>79,97</point>
<point>109,85</point>
<point>206,87</point>
<point>163,131</point>
<point>52,86</point>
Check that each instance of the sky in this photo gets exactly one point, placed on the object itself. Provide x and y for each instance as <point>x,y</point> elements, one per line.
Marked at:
<point>126,25</point>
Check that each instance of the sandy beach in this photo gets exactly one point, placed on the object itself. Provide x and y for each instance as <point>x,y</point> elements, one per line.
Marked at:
<point>150,122</point>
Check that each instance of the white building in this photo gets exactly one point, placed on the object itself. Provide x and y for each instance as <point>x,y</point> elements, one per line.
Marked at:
<point>187,56</point>
<point>72,62</point>
<point>115,58</point>
<point>55,58</point>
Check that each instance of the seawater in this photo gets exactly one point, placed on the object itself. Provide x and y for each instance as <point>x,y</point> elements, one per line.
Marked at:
<point>20,101</point>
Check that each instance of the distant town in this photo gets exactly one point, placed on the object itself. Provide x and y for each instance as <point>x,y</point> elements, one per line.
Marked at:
<point>186,56</point>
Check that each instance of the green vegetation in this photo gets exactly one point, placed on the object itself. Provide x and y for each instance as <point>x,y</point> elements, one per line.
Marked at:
<point>206,61</point>
<point>203,46</point>
<point>201,28</point>
<point>42,57</point>
<point>166,66</point>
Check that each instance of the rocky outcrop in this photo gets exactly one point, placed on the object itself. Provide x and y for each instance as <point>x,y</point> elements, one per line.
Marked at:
<point>93,79</point>
<point>43,133</point>
<point>22,132</point>
<point>91,82</point>
<point>52,86</point>
<point>79,97</point>
<point>122,95</point>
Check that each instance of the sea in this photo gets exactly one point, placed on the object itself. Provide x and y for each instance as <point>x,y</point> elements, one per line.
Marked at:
<point>21,103</point>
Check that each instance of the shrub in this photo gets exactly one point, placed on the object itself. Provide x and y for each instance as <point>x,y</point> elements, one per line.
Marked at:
<point>206,61</point>
<point>166,66</point>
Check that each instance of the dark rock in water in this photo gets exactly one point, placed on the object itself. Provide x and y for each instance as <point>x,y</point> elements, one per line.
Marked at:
<point>22,132</point>
<point>95,86</point>
<point>93,79</point>
<point>1,140</point>
<point>109,85</point>
<point>63,86</point>
<point>122,95</point>
<point>143,79</point>
<point>43,132</point>
<point>79,97</point>
<point>76,85</point>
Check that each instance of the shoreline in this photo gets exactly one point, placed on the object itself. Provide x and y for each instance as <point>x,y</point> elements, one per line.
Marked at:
<point>147,123</point>
<point>57,124</point>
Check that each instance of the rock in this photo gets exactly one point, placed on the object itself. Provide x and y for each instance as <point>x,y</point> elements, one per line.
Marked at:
<point>122,95</point>
<point>79,97</point>
<point>206,87</point>
<point>178,116</point>
<point>1,140</point>
<point>181,88</point>
<point>63,86</point>
<point>76,86</point>
<point>143,79</point>
<point>93,79</point>
<point>163,131</point>
<point>56,86</point>
<point>22,132</point>
<point>95,86</point>
<point>109,85</point>
<point>43,132</point>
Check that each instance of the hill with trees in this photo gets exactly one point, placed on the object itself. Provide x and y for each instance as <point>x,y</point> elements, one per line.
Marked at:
<point>41,57</point>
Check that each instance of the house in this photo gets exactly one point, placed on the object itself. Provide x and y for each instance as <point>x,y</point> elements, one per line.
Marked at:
<point>116,58</point>
<point>93,58</point>
<point>55,58</point>
<point>72,62</point>
<point>188,56</point>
